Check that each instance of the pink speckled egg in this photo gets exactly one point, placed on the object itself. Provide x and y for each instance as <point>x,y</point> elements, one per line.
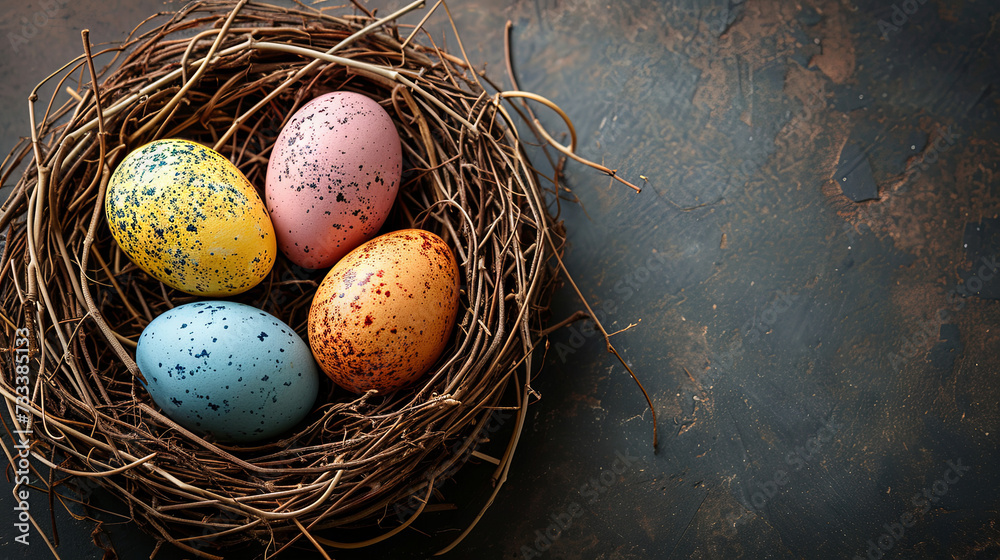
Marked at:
<point>332,177</point>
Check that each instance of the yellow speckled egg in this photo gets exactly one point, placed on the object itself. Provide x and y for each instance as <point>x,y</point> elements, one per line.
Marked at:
<point>187,216</point>
<point>384,313</point>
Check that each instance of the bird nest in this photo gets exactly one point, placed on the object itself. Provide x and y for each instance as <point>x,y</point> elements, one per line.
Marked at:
<point>228,75</point>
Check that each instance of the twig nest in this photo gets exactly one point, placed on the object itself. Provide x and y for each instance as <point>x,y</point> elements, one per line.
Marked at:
<point>229,77</point>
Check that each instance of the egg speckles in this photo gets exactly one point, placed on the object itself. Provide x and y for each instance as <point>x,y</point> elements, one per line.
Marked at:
<point>188,217</point>
<point>332,177</point>
<point>227,369</point>
<point>384,314</point>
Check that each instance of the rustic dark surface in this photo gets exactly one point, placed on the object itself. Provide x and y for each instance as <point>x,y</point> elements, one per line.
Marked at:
<point>818,360</point>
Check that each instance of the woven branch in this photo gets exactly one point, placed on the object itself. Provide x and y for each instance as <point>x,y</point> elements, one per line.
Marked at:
<point>229,76</point>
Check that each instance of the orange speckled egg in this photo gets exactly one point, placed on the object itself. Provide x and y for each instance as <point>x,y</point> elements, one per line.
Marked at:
<point>187,216</point>
<point>384,314</point>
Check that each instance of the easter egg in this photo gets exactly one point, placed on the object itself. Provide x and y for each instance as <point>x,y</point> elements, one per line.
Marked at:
<point>189,218</point>
<point>227,369</point>
<point>384,313</point>
<point>332,177</point>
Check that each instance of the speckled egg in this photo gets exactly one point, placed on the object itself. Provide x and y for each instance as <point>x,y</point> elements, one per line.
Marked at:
<point>227,369</point>
<point>188,217</point>
<point>383,315</point>
<point>332,177</point>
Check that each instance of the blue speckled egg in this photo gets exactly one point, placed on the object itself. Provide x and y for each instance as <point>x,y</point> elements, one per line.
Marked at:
<point>228,370</point>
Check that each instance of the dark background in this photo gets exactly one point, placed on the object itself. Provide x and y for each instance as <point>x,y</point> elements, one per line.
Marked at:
<point>823,186</point>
